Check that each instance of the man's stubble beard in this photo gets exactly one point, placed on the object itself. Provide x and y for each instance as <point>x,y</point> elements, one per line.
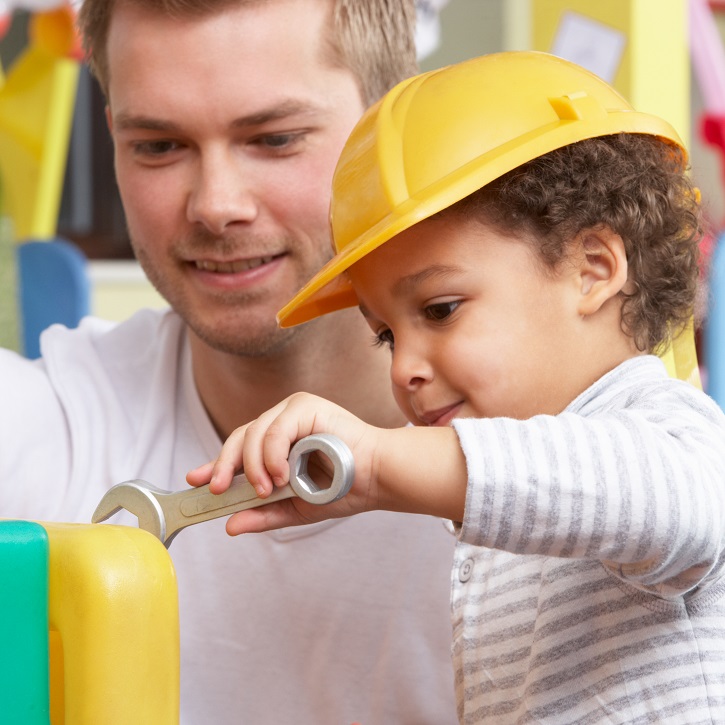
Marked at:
<point>263,343</point>
<point>234,338</point>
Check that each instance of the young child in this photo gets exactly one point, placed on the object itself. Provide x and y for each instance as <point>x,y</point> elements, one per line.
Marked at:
<point>523,241</point>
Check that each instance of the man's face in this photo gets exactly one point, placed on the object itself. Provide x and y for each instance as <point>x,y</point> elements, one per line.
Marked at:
<point>227,130</point>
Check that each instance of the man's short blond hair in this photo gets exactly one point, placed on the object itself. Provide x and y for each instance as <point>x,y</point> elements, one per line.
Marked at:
<point>374,39</point>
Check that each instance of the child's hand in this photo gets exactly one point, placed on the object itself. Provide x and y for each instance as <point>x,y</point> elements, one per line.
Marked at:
<point>262,447</point>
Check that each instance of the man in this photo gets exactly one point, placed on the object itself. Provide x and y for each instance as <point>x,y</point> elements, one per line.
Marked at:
<point>227,118</point>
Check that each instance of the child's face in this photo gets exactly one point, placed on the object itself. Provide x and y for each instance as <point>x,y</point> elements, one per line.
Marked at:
<point>476,325</point>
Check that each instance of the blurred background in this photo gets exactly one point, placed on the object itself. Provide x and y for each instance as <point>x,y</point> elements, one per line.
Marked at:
<point>665,56</point>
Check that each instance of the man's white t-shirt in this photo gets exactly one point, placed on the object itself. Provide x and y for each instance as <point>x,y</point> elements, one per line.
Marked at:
<point>333,623</point>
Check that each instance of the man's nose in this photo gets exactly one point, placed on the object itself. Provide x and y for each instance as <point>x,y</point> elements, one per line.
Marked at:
<point>222,193</point>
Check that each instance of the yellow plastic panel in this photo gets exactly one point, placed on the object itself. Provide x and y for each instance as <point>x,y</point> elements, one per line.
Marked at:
<point>680,359</point>
<point>113,616</point>
<point>654,72</point>
<point>36,110</point>
<point>653,75</point>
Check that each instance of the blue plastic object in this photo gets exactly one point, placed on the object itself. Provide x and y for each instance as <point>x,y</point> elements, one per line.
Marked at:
<point>714,337</point>
<point>54,287</point>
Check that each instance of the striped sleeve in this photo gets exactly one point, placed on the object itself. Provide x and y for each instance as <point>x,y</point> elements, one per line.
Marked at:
<point>632,474</point>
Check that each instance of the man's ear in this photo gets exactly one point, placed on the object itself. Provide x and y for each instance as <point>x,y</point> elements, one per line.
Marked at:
<point>109,119</point>
<point>602,268</point>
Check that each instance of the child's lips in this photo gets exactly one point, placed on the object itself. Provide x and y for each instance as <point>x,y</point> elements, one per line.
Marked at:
<point>440,416</point>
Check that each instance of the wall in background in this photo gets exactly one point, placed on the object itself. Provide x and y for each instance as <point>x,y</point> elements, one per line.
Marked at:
<point>474,27</point>
<point>91,213</point>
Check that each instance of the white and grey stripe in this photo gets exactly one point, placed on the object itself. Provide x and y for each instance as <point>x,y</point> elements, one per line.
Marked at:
<point>588,583</point>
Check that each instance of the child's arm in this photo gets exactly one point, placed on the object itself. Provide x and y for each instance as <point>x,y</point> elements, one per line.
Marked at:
<point>638,487</point>
<point>417,470</point>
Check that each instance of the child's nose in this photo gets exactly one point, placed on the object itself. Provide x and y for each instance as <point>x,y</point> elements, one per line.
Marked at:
<point>410,367</point>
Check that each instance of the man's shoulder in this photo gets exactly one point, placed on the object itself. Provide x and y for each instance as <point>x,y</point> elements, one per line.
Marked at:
<point>146,323</point>
<point>144,327</point>
<point>119,359</point>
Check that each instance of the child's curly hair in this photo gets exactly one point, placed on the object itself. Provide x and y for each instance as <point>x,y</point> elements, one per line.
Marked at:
<point>633,183</point>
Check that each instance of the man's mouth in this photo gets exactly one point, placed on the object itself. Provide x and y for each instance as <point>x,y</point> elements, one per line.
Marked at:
<point>239,265</point>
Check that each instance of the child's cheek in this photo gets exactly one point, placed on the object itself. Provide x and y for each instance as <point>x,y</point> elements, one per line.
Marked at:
<point>401,398</point>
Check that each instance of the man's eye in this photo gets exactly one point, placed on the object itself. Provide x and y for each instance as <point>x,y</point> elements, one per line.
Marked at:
<point>384,338</point>
<point>441,310</point>
<point>155,148</point>
<point>279,142</point>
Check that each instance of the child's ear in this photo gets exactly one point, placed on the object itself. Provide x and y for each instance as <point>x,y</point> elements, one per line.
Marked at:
<point>602,268</point>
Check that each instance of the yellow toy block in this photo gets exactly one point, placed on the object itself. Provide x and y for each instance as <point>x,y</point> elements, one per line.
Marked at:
<point>114,626</point>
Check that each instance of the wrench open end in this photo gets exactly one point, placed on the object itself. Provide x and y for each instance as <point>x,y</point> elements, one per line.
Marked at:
<point>138,498</point>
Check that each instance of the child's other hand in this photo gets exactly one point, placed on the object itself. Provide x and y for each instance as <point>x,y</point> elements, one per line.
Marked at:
<point>261,449</point>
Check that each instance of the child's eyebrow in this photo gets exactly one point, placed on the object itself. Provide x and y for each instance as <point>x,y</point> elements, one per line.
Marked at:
<point>411,281</point>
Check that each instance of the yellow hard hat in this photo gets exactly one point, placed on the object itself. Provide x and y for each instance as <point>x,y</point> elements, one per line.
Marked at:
<point>439,136</point>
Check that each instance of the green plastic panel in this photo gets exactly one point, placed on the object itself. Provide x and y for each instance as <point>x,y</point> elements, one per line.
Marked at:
<point>24,677</point>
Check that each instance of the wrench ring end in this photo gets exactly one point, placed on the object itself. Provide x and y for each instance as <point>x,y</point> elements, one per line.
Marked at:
<point>343,468</point>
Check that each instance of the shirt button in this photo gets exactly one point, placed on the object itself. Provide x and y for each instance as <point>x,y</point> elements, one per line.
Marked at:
<point>464,573</point>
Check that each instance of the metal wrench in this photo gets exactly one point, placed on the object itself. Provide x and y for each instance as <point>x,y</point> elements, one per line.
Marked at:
<point>165,513</point>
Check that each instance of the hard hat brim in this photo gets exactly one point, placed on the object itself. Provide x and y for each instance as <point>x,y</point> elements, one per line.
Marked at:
<point>570,118</point>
